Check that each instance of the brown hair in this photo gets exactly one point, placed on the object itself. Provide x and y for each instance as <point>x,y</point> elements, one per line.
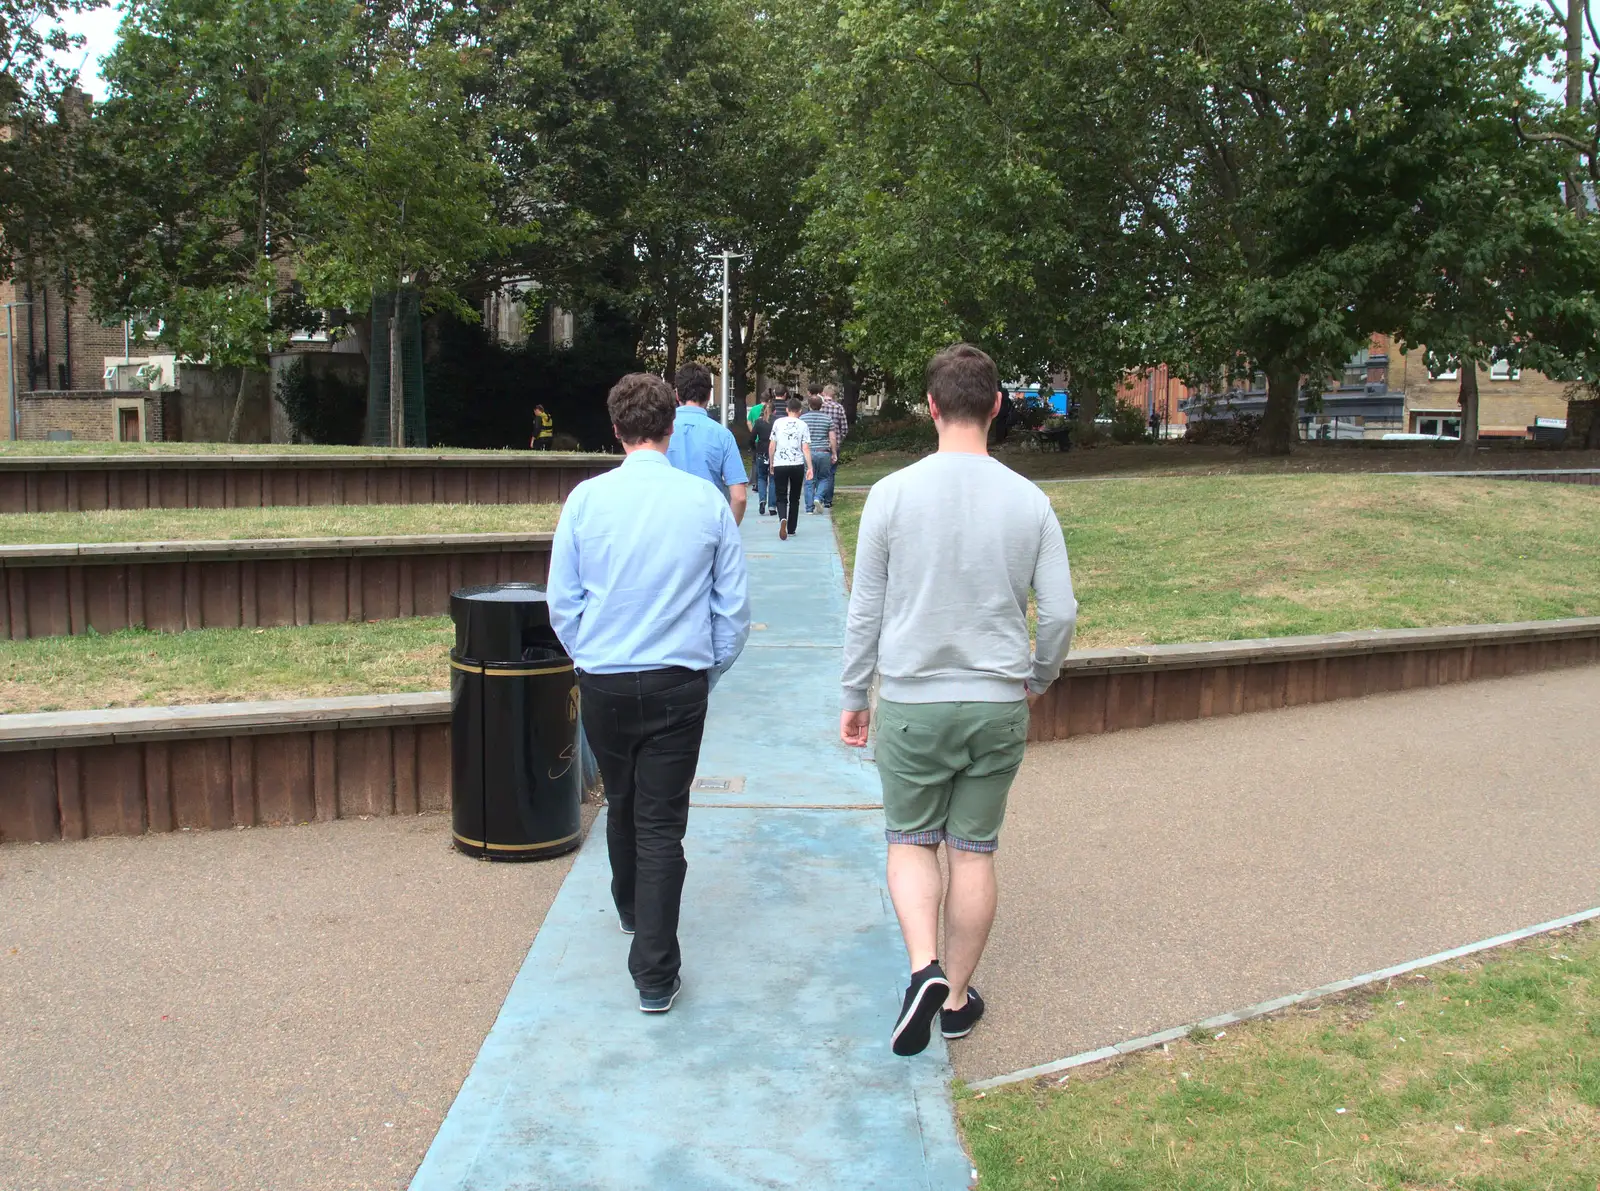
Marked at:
<point>815,400</point>
<point>694,384</point>
<point>641,408</point>
<point>793,405</point>
<point>963,381</point>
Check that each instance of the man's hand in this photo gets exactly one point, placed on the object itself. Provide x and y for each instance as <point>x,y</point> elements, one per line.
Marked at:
<point>853,726</point>
<point>1033,696</point>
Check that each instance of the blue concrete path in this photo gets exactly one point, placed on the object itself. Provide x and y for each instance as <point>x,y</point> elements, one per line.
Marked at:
<point>773,1069</point>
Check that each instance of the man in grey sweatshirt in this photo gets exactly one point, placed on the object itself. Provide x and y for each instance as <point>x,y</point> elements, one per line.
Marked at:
<point>949,549</point>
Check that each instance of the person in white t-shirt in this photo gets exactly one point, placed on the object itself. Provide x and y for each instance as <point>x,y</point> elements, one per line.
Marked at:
<point>790,452</point>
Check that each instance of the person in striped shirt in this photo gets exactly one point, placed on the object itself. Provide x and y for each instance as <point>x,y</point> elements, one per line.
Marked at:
<point>824,454</point>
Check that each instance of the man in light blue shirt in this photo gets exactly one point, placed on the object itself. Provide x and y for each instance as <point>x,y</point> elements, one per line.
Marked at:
<point>701,447</point>
<point>648,594</point>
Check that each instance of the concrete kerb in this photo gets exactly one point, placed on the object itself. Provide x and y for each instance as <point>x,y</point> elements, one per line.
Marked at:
<point>1277,1004</point>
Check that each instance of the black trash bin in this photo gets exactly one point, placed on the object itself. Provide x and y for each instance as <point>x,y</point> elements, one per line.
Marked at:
<point>516,781</point>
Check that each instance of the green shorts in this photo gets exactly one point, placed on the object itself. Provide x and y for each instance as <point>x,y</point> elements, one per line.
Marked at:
<point>947,768</point>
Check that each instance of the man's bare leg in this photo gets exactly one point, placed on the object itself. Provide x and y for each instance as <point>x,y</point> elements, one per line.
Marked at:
<point>916,887</point>
<point>968,914</point>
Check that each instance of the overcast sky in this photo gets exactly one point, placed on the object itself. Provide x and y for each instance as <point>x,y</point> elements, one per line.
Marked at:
<point>99,29</point>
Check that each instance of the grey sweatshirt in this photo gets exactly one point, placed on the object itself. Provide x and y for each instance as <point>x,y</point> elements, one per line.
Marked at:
<point>948,550</point>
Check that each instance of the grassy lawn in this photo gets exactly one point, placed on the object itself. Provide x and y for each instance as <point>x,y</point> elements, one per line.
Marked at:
<point>1483,1077</point>
<point>284,521</point>
<point>134,668</point>
<point>1178,458</point>
<point>33,449</point>
<point>1221,558</point>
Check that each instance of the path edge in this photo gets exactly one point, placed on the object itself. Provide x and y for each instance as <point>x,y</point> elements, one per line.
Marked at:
<point>1266,1008</point>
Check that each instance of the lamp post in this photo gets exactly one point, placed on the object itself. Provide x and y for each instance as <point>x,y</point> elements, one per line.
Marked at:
<point>727,403</point>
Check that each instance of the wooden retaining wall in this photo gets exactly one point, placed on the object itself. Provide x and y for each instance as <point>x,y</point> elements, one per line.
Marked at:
<point>1107,690</point>
<point>71,775</point>
<point>67,775</point>
<point>42,484</point>
<point>173,586</point>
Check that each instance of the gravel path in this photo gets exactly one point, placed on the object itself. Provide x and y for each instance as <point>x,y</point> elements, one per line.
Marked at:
<point>1153,878</point>
<point>291,1009</point>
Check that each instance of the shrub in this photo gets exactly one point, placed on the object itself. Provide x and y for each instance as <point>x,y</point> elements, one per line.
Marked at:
<point>322,408</point>
<point>1128,424</point>
<point>1237,431</point>
<point>870,435</point>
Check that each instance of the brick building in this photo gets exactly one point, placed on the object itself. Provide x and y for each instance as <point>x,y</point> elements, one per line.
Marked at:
<point>1510,401</point>
<point>1157,391</point>
<point>58,354</point>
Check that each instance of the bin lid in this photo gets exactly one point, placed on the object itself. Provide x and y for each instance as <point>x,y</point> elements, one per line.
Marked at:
<point>499,621</point>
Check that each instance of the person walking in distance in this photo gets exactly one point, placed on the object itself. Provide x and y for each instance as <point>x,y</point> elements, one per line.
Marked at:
<point>949,549</point>
<point>760,437</point>
<point>790,451</point>
<point>544,430</point>
<point>824,451</point>
<point>649,595</point>
<point>841,429</point>
<point>706,448</point>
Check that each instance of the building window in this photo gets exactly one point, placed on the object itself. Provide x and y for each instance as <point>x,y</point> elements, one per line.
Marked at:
<point>1442,427</point>
<point>1502,370</point>
<point>1355,371</point>
<point>1448,374</point>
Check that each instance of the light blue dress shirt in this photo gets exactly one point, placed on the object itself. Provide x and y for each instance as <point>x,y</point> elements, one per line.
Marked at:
<point>705,448</point>
<point>647,572</point>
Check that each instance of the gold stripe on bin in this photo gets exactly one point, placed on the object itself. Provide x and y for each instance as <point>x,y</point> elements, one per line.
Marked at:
<point>505,672</point>
<point>478,843</point>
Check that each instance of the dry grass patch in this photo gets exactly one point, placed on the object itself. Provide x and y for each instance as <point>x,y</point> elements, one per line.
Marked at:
<point>1483,1076</point>
<point>284,521</point>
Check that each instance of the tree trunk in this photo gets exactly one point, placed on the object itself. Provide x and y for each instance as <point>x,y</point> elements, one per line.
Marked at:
<point>849,386</point>
<point>1088,405</point>
<point>1282,415</point>
<point>1469,407</point>
<point>237,419</point>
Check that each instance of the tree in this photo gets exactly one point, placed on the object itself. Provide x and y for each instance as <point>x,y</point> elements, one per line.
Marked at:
<point>217,110</point>
<point>972,191</point>
<point>403,200</point>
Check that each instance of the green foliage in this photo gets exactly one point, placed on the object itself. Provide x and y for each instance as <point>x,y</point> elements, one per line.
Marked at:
<point>885,433</point>
<point>482,394</point>
<point>1128,424</point>
<point>321,407</point>
<point>404,195</point>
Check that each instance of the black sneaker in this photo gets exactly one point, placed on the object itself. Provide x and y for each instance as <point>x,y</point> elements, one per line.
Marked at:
<point>958,1023</point>
<point>660,1002</point>
<point>625,922</point>
<point>763,511</point>
<point>924,996</point>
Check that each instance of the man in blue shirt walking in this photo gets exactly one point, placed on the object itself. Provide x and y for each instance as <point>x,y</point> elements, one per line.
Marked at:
<point>703,448</point>
<point>649,595</point>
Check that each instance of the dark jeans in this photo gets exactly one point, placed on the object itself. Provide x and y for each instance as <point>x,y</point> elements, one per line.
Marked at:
<point>645,729</point>
<point>764,495</point>
<point>787,482</point>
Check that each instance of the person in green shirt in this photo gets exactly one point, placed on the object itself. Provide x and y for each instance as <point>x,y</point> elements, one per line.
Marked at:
<point>752,415</point>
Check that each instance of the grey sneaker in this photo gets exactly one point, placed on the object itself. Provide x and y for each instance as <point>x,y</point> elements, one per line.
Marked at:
<point>660,1002</point>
